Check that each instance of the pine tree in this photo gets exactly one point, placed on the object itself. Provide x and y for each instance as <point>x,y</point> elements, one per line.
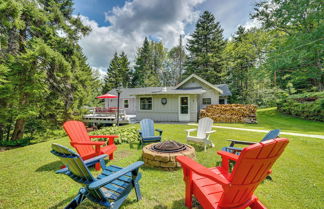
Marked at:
<point>125,70</point>
<point>143,64</point>
<point>149,63</point>
<point>113,79</point>
<point>47,73</point>
<point>118,73</point>
<point>205,49</point>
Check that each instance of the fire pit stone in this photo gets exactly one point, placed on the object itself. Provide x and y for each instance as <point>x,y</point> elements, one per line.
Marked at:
<point>166,159</point>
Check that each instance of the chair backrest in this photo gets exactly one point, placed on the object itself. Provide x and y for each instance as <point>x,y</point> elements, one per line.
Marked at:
<point>77,132</point>
<point>204,125</point>
<point>147,127</point>
<point>78,171</point>
<point>271,135</point>
<point>250,170</point>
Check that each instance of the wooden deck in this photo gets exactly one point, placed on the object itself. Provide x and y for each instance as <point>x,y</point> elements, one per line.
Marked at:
<point>100,116</point>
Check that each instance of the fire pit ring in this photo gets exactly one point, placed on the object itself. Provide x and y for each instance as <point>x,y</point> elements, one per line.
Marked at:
<point>163,154</point>
<point>168,147</point>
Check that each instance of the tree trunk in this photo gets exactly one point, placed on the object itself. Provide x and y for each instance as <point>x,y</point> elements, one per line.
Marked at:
<point>19,129</point>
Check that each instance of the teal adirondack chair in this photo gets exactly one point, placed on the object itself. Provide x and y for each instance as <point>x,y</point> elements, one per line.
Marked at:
<point>108,189</point>
<point>236,150</point>
<point>147,132</point>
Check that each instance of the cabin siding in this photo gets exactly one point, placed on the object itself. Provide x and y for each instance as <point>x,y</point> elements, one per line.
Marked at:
<point>210,93</point>
<point>167,112</point>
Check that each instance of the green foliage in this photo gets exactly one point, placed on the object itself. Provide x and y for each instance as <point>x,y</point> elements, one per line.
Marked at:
<point>149,64</point>
<point>307,106</point>
<point>16,143</point>
<point>43,75</point>
<point>118,73</point>
<point>297,59</point>
<point>127,134</point>
<point>249,81</point>
<point>205,50</point>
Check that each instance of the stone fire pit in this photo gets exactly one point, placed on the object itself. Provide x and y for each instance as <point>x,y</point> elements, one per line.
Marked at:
<point>163,154</point>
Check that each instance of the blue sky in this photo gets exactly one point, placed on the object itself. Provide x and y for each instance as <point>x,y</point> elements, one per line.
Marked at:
<point>119,25</point>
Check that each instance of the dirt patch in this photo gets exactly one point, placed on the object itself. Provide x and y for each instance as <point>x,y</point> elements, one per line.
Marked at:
<point>122,154</point>
<point>2,149</point>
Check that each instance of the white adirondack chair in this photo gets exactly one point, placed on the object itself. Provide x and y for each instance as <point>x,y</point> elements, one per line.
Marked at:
<point>203,132</point>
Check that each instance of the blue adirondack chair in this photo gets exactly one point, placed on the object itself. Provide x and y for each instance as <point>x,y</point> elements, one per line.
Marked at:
<point>235,150</point>
<point>108,189</point>
<point>147,132</point>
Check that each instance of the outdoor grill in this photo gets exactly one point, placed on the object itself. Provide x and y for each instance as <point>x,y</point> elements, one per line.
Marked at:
<point>168,147</point>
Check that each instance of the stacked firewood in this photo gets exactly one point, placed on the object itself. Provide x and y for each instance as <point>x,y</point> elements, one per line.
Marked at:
<point>230,113</point>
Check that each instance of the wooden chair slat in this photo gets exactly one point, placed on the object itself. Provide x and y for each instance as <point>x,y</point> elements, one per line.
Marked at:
<point>251,168</point>
<point>105,189</point>
<point>77,133</point>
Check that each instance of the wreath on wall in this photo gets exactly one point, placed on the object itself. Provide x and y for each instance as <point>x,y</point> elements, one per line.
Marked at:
<point>164,101</point>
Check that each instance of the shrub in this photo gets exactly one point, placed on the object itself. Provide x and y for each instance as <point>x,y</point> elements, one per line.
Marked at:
<point>307,106</point>
<point>126,134</point>
<point>16,143</point>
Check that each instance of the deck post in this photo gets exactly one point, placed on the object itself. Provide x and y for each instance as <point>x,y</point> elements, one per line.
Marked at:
<point>118,96</point>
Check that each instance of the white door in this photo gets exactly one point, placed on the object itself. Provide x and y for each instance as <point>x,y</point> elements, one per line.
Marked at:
<point>184,108</point>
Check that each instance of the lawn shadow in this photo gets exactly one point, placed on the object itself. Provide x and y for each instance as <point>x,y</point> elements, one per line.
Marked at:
<point>62,203</point>
<point>53,166</point>
<point>179,204</point>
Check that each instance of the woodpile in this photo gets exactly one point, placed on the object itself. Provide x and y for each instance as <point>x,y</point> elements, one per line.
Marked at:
<point>230,113</point>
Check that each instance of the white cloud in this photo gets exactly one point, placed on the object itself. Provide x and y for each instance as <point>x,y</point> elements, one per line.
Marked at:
<point>252,23</point>
<point>164,20</point>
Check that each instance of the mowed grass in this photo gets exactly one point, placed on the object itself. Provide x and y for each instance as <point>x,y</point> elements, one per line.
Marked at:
<point>28,179</point>
<point>270,118</point>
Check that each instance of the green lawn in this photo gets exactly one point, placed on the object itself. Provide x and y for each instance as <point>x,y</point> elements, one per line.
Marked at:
<point>269,118</point>
<point>28,178</point>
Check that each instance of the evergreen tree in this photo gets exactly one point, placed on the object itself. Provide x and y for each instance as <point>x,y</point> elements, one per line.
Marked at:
<point>113,79</point>
<point>125,70</point>
<point>148,70</point>
<point>44,76</point>
<point>205,49</point>
<point>118,73</point>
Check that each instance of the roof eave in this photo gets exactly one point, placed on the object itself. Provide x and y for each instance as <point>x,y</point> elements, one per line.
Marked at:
<point>200,79</point>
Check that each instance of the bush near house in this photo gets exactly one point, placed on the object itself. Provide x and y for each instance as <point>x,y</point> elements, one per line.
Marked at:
<point>230,113</point>
<point>308,106</point>
<point>127,134</point>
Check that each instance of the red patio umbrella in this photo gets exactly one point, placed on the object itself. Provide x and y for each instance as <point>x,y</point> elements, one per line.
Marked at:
<point>106,96</point>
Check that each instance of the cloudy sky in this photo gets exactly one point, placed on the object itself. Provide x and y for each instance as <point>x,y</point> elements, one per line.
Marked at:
<point>120,25</point>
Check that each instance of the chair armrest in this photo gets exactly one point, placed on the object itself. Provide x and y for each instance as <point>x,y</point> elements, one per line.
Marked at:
<point>87,143</point>
<point>159,130</point>
<point>188,163</point>
<point>99,183</point>
<point>191,130</point>
<point>104,136</point>
<point>233,142</point>
<point>110,138</point>
<point>94,160</point>
<point>228,155</point>
<point>235,149</point>
<point>210,132</point>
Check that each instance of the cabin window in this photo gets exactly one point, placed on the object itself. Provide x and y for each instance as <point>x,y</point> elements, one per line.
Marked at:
<point>221,101</point>
<point>146,103</point>
<point>206,101</point>
<point>126,104</point>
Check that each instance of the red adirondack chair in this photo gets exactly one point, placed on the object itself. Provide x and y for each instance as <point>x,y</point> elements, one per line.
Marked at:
<point>218,188</point>
<point>81,141</point>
